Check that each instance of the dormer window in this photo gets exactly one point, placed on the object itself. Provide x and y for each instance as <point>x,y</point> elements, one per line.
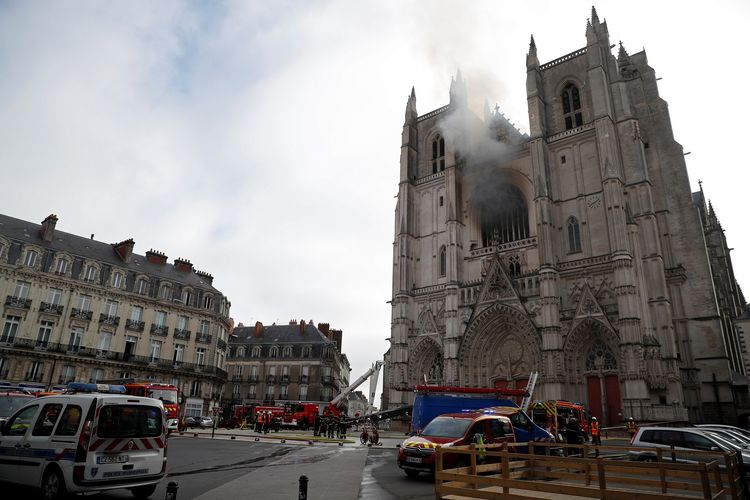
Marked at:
<point>165,292</point>
<point>274,352</point>
<point>571,101</point>
<point>438,154</point>
<point>207,302</point>
<point>61,266</point>
<point>30,258</point>
<point>90,273</point>
<point>142,287</point>
<point>117,280</point>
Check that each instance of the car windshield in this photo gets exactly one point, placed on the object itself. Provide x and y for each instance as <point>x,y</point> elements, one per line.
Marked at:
<point>119,421</point>
<point>9,404</point>
<point>447,427</point>
<point>725,444</point>
<point>165,395</point>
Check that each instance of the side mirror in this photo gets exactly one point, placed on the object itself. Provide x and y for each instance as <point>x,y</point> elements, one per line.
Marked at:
<point>715,448</point>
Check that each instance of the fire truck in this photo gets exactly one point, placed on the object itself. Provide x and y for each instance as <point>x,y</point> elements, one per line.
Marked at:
<point>300,415</point>
<point>553,415</point>
<point>170,395</point>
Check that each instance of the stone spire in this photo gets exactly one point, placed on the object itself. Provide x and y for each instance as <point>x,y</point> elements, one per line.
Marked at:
<point>594,16</point>
<point>458,91</point>
<point>532,46</point>
<point>411,107</point>
<point>590,34</point>
<point>622,56</point>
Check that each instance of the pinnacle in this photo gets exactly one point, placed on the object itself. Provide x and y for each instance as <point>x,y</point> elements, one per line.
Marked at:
<point>532,46</point>
<point>622,56</point>
<point>594,16</point>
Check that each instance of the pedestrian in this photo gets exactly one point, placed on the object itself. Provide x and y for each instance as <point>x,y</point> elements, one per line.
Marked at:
<point>596,439</point>
<point>631,427</point>
<point>573,434</point>
<point>316,426</point>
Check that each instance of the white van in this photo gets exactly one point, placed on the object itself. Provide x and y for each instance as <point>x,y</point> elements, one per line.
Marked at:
<point>77,442</point>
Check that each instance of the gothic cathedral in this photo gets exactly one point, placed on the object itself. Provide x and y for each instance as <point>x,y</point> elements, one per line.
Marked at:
<point>577,251</point>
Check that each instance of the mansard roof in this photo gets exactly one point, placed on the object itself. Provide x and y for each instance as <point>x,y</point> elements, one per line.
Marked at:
<point>280,334</point>
<point>25,232</point>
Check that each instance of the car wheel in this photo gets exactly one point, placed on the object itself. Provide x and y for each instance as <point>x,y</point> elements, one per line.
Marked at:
<point>53,485</point>
<point>411,472</point>
<point>143,492</point>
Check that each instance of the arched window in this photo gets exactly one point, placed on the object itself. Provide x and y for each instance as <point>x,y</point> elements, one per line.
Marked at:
<point>438,154</point>
<point>274,352</point>
<point>505,217</point>
<point>514,266</point>
<point>256,352</point>
<point>307,351</point>
<point>571,101</point>
<point>442,261</point>
<point>240,352</point>
<point>574,235</point>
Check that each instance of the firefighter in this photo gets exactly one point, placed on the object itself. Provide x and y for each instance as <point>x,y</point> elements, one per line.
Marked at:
<point>316,426</point>
<point>631,427</point>
<point>573,433</point>
<point>596,439</point>
<point>258,421</point>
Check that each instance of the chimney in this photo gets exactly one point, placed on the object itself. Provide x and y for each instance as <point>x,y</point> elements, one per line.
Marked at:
<point>156,257</point>
<point>258,329</point>
<point>324,327</point>
<point>292,321</point>
<point>302,327</point>
<point>183,265</point>
<point>337,336</point>
<point>209,279</point>
<point>124,249</point>
<point>47,232</point>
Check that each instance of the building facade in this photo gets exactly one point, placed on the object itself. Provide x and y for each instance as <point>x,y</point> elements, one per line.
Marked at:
<point>274,364</point>
<point>77,309</point>
<point>577,251</point>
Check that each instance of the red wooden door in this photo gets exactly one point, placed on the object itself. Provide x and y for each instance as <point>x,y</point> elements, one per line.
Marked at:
<point>521,384</point>
<point>614,408</point>
<point>595,397</point>
<point>501,384</point>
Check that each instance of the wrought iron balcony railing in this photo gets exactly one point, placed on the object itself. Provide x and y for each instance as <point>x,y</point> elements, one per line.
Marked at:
<point>19,302</point>
<point>133,325</point>
<point>47,307</point>
<point>106,319</point>
<point>76,313</point>
<point>160,330</point>
<point>203,338</point>
<point>181,334</point>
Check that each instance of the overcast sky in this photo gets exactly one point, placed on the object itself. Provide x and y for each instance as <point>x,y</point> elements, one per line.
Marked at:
<point>260,140</point>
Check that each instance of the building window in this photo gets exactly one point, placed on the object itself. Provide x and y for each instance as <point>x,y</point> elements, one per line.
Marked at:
<point>442,261</point>
<point>74,342</point>
<point>273,352</point>
<point>10,328</point>
<point>22,289</point>
<point>186,297</point>
<point>270,390</point>
<point>45,331</point>
<point>84,302</point>
<point>241,352</point>
<point>154,351</point>
<point>105,340</point>
<point>204,327</point>
<point>571,101</point>
<point>68,374</point>
<point>165,292</point>
<point>54,295</point>
<point>179,353</point>
<point>4,368</point>
<point>96,375</point>
<point>305,374</point>
<point>251,391</point>
<point>195,389</point>
<point>90,273</point>
<point>283,392</point>
<point>182,323</point>
<point>142,288</point>
<point>307,351</point>
<point>136,313</point>
<point>117,280</point>
<point>200,356</point>
<point>287,352</point>
<point>574,235</point>
<point>29,259</point>
<point>256,352</point>
<point>438,154</point>
<point>35,372</point>
<point>207,302</point>
<point>507,219</point>
<point>514,266</point>
<point>238,370</point>
<point>161,318</point>
<point>303,392</point>
<point>110,308</point>
<point>61,266</point>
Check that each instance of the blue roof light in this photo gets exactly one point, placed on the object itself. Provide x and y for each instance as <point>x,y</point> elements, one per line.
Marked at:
<point>105,388</point>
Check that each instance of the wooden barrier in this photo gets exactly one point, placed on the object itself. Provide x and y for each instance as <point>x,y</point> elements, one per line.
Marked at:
<point>500,471</point>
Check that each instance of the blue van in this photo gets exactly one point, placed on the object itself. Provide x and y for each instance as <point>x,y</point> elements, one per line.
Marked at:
<point>429,405</point>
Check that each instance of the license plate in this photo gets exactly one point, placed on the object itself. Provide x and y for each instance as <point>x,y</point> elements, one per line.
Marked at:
<point>414,460</point>
<point>111,459</point>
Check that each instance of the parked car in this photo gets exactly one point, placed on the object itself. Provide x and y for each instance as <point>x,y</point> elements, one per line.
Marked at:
<point>417,453</point>
<point>683,439</point>
<point>205,422</point>
<point>729,435</point>
<point>12,400</point>
<point>111,441</point>
<point>192,422</point>
<point>731,428</point>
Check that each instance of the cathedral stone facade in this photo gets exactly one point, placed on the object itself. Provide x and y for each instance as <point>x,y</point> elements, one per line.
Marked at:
<point>577,251</point>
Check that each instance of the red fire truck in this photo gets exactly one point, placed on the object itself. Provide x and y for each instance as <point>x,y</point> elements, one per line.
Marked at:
<point>300,415</point>
<point>167,393</point>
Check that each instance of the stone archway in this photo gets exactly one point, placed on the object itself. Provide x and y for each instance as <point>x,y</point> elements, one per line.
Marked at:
<point>426,361</point>
<point>592,361</point>
<point>500,348</point>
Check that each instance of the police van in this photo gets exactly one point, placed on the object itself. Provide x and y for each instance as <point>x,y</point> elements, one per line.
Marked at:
<point>91,438</point>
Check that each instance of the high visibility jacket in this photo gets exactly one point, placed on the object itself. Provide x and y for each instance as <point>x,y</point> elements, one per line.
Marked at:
<point>594,428</point>
<point>631,427</point>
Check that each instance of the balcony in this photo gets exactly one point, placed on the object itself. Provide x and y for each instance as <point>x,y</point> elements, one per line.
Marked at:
<point>303,379</point>
<point>106,319</point>
<point>252,378</point>
<point>76,313</point>
<point>283,397</point>
<point>49,308</point>
<point>221,345</point>
<point>271,379</point>
<point>181,334</point>
<point>203,338</point>
<point>30,377</point>
<point>42,345</point>
<point>133,325</point>
<point>326,379</point>
<point>285,379</point>
<point>18,302</point>
<point>159,330</point>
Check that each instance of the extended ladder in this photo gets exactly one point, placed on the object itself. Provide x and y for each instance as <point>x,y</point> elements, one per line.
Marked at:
<point>526,401</point>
